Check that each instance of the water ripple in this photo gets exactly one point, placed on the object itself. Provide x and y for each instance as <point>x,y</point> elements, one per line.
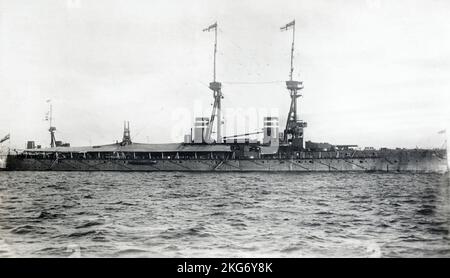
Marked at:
<point>51,214</point>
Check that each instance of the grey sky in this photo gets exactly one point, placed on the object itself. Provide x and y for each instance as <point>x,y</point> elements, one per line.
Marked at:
<point>376,73</point>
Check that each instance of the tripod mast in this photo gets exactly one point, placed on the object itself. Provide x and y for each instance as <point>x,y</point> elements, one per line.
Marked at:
<point>217,94</point>
<point>293,133</point>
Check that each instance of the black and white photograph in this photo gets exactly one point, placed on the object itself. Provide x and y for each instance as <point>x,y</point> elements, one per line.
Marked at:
<point>224,129</point>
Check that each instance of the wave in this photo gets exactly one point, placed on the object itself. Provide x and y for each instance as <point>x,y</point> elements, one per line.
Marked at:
<point>27,229</point>
<point>90,224</point>
<point>48,215</point>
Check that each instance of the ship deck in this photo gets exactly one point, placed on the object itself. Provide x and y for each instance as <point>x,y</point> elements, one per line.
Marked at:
<point>137,147</point>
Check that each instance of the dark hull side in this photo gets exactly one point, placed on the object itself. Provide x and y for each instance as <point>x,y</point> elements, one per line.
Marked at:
<point>394,161</point>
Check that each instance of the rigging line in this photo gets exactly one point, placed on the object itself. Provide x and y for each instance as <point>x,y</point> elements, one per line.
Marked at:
<point>232,42</point>
<point>252,82</point>
<point>224,34</point>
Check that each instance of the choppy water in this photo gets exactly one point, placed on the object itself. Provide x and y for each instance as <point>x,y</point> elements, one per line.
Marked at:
<point>224,214</point>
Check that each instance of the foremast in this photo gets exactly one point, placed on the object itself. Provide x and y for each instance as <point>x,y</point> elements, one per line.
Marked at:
<point>216,87</point>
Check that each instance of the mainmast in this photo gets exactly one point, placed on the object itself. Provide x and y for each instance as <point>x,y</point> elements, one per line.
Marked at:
<point>293,134</point>
<point>217,94</point>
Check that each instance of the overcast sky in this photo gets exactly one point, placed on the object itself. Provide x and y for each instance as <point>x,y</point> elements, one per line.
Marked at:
<point>376,73</point>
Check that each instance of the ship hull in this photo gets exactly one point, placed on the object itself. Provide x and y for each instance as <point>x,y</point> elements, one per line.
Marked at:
<point>411,161</point>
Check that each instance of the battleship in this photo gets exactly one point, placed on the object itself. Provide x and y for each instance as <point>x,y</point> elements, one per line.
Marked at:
<point>279,150</point>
